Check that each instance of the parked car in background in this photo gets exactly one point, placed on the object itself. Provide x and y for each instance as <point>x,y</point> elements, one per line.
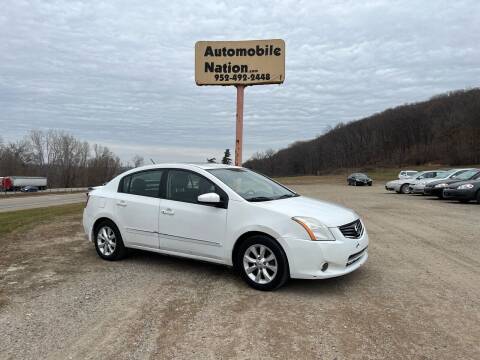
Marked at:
<point>463,191</point>
<point>235,217</point>
<point>402,186</point>
<point>359,179</point>
<point>404,174</point>
<point>29,189</point>
<point>419,186</point>
<point>436,187</point>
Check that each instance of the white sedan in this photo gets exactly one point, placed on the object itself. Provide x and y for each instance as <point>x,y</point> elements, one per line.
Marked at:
<point>227,215</point>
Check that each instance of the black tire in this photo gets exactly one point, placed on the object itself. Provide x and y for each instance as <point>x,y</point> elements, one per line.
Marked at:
<point>369,184</point>
<point>405,189</point>
<point>119,251</point>
<point>478,197</point>
<point>282,274</point>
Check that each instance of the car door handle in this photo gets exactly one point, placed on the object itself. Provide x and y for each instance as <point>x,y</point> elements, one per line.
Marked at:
<point>121,203</point>
<point>168,212</point>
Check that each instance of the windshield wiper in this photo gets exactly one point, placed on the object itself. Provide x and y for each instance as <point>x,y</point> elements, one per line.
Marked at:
<point>259,198</point>
<point>286,196</point>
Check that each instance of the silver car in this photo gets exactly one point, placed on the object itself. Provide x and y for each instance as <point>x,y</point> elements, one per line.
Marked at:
<point>404,174</point>
<point>402,186</point>
<point>419,186</point>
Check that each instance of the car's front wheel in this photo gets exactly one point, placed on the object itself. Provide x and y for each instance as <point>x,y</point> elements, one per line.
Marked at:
<point>262,263</point>
<point>405,189</point>
<point>478,197</point>
<point>108,241</point>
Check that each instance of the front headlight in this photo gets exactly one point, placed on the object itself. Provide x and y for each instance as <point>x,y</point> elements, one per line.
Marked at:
<point>465,187</point>
<point>314,228</point>
<point>438,186</point>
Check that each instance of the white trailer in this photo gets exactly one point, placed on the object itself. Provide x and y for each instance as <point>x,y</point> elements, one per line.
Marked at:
<point>18,182</point>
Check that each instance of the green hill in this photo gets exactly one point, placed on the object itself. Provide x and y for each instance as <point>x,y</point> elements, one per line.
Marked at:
<point>443,130</point>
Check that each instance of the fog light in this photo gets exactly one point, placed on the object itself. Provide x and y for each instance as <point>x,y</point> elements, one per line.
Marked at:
<point>325,267</point>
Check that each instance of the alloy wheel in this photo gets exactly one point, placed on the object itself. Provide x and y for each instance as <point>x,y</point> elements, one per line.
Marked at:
<point>106,240</point>
<point>260,264</point>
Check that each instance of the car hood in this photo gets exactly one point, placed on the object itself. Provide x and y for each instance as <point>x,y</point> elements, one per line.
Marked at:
<point>393,182</point>
<point>442,181</point>
<point>405,181</point>
<point>332,215</point>
<point>458,183</point>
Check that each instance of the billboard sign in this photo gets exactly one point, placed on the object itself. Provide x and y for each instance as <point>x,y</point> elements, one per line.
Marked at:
<point>251,62</point>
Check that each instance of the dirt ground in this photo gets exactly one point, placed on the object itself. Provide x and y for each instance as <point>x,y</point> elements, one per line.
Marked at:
<point>417,297</point>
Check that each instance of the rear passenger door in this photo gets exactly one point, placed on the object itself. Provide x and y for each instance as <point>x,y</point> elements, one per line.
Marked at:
<point>137,206</point>
<point>185,226</point>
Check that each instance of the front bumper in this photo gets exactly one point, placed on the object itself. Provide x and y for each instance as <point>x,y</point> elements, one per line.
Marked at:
<point>432,191</point>
<point>455,194</point>
<point>344,255</point>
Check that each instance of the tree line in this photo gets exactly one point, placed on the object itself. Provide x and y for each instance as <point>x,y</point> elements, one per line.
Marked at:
<point>60,157</point>
<point>443,130</point>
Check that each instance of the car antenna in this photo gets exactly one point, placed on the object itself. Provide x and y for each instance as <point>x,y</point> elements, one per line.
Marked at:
<point>153,162</point>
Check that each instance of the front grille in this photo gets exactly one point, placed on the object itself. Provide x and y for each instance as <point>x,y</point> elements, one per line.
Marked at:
<point>355,257</point>
<point>353,230</point>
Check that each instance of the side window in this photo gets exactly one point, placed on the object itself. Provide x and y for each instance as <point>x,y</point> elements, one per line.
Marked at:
<point>144,183</point>
<point>186,186</point>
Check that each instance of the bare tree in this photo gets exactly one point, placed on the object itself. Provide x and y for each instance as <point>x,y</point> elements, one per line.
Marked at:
<point>444,129</point>
<point>137,161</point>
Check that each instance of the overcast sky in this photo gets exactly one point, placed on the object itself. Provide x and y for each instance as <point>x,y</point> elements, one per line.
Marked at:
<point>121,73</point>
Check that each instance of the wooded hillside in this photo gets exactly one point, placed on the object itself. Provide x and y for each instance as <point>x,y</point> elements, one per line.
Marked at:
<point>444,130</point>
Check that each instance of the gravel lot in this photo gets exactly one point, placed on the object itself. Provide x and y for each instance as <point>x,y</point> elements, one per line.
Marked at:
<point>418,296</point>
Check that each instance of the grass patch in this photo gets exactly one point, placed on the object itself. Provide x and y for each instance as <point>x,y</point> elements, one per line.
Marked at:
<point>21,219</point>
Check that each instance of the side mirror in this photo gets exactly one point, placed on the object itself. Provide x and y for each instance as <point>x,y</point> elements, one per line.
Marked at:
<point>209,198</point>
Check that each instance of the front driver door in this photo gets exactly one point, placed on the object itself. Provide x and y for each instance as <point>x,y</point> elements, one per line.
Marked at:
<point>138,206</point>
<point>185,226</point>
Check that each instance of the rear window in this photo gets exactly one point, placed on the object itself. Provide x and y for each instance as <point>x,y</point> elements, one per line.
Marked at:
<point>144,183</point>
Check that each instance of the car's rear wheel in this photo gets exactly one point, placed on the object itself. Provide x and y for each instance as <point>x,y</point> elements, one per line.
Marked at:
<point>262,263</point>
<point>405,189</point>
<point>108,241</point>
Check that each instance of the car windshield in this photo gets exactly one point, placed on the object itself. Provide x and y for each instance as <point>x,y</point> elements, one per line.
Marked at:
<point>466,175</point>
<point>250,185</point>
<point>443,174</point>
<point>361,176</point>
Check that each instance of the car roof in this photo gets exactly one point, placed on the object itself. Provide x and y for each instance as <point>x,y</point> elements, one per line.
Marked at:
<point>204,166</point>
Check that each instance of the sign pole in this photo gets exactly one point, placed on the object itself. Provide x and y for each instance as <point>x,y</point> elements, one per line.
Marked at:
<point>239,127</point>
